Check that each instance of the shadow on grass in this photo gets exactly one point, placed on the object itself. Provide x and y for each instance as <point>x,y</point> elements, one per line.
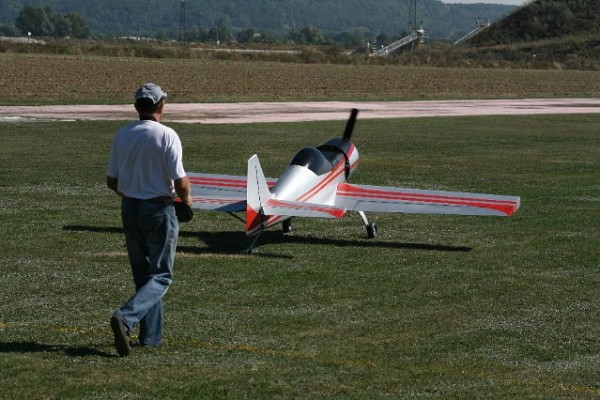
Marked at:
<point>234,242</point>
<point>95,229</point>
<point>228,240</point>
<point>32,347</point>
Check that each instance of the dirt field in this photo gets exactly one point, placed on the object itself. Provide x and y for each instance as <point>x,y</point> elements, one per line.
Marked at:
<point>34,79</point>
<point>228,113</point>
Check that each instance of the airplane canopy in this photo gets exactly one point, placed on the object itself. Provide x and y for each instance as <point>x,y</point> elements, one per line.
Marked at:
<point>311,158</point>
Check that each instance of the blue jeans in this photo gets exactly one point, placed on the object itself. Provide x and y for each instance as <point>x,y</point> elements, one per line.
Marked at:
<point>151,230</point>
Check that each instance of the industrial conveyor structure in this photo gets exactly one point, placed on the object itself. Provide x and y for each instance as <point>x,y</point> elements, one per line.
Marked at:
<point>416,37</point>
<point>478,29</point>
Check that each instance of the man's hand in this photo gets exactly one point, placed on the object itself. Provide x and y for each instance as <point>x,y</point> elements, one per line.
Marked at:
<point>188,200</point>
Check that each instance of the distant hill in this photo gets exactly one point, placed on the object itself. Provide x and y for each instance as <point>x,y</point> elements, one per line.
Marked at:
<point>542,34</point>
<point>542,20</point>
<point>149,17</point>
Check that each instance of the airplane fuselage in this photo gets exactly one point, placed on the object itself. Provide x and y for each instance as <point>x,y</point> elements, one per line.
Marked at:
<point>313,175</point>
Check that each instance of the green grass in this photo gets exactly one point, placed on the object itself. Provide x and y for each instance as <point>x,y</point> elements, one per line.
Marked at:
<point>435,307</point>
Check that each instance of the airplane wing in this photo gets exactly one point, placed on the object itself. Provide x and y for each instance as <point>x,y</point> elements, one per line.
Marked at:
<point>220,192</point>
<point>414,201</point>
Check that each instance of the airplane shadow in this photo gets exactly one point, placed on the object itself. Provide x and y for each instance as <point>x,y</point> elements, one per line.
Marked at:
<point>227,241</point>
<point>32,347</point>
<point>234,242</point>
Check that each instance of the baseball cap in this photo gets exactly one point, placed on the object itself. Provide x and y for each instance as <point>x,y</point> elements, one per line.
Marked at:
<point>150,91</point>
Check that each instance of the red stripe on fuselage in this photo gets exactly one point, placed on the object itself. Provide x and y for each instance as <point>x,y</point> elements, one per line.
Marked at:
<point>333,174</point>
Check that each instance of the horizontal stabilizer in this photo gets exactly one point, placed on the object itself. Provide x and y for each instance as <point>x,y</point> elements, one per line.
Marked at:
<point>301,209</point>
<point>226,193</point>
<point>414,201</point>
<point>214,203</point>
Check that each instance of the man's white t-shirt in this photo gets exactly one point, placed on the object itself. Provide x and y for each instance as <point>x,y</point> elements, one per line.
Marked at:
<point>146,157</point>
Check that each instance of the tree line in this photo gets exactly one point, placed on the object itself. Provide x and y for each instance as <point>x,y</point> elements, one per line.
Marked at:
<point>44,22</point>
<point>265,19</point>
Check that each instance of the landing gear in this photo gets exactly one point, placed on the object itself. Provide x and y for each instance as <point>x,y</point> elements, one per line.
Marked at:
<point>369,226</point>
<point>287,226</point>
<point>250,248</point>
<point>371,230</point>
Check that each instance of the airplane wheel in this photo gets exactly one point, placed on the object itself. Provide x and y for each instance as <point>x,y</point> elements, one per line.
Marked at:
<point>287,226</point>
<point>371,230</point>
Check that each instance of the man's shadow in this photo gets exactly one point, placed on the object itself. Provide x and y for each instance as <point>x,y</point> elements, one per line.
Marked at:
<point>33,347</point>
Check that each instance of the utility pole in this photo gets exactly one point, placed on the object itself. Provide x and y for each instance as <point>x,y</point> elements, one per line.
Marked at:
<point>182,21</point>
<point>412,16</point>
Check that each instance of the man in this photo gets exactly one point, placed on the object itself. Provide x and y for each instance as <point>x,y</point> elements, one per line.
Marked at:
<point>145,168</point>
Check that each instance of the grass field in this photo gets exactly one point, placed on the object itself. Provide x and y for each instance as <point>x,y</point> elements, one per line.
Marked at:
<point>435,307</point>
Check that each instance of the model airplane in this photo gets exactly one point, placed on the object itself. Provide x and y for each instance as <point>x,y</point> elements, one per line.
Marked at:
<point>314,185</point>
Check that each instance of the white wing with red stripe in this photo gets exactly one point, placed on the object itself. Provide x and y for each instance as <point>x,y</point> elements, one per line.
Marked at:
<point>220,192</point>
<point>415,201</point>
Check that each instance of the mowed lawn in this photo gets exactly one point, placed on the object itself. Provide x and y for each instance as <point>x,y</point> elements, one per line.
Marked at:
<point>434,307</point>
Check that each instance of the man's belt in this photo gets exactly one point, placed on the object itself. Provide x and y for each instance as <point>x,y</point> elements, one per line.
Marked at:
<point>159,199</point>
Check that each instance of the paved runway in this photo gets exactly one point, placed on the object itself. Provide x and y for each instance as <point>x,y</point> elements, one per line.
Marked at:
<point>231,113</point>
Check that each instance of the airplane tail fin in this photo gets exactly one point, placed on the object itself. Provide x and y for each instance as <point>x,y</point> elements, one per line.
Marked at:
<point>257,193</point>
<point>350,125</point>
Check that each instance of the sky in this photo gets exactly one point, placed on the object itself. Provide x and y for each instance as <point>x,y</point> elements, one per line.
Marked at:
<point>508,2</point>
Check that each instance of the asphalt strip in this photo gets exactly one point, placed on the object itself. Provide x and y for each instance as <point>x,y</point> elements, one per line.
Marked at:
<point>238,113</point>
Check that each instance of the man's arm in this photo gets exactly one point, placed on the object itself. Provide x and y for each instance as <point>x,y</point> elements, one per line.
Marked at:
<point>112,184</point>
<point>182,187</point>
